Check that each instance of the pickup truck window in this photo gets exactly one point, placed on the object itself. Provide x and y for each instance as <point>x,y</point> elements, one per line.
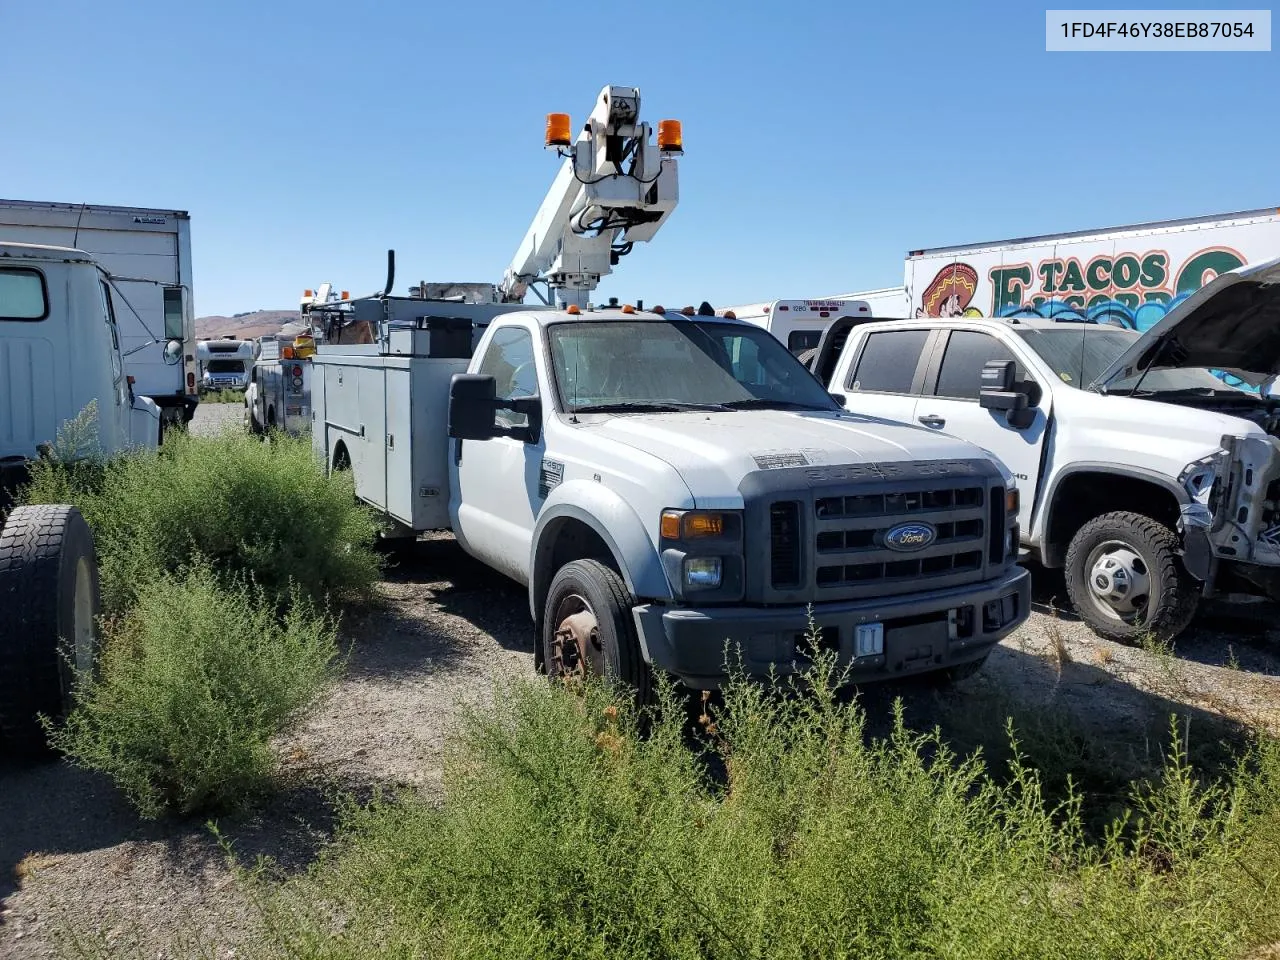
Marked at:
<point>798,341</point>
<point>22,294</point>
<point>888,361</point>
<point>509,360</point>
<point>960,377</point>
<point>644,365</point>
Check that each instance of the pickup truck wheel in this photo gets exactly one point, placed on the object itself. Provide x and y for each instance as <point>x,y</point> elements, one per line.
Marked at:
<point>1126,580</point>
<point>587,628</point>
<point>49,592</point>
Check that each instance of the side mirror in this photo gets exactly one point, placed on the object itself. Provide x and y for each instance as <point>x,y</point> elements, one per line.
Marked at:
<point>473,402</point>
<point>172,352</point>
<point>839,398</point>
<point>1001,391</point>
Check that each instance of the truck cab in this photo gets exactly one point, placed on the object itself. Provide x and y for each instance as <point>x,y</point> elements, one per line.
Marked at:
<point>1148,462</point>
<point>673,488</point>
<point>60,352</point>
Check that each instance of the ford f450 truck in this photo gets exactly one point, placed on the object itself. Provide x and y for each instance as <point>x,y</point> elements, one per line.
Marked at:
<point>1149,463</point>
<point>672,488</point>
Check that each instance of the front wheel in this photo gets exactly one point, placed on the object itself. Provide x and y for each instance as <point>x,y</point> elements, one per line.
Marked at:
<point>1126,580</point>
<point>587,628</point>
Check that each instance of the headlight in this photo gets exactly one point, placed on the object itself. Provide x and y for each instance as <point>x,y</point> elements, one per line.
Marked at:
<point>702,573</point>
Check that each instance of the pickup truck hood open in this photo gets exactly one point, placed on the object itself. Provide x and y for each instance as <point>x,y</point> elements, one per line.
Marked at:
<point>1231,323</point>
<point>714,451</point>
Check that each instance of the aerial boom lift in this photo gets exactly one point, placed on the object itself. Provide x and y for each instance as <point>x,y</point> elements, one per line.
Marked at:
<point>615,188</point>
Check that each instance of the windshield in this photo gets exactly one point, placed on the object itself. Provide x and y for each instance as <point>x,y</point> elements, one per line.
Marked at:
<point>620,365</point>
<point>225,366</point>
<point>1080,353</point>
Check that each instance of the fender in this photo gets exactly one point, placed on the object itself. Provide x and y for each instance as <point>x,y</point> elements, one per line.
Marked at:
<point>1049,554</point>
<point>617,524</point>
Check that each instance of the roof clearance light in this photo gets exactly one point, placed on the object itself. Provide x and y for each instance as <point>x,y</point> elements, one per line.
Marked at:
<point>659,310</point>
<point>730,315</point>
<point>573,309</point>
<point>307,293</point>
<point>628,308</point>
<point>688,311</point>
<point>346,295</point>
<point>558,130</point>
<point>784,307</point>
<point>670,136</point>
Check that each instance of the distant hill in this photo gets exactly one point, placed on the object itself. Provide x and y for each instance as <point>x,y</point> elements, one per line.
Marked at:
<point>255,323</point>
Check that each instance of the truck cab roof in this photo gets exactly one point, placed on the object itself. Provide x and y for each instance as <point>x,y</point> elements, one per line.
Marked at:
<point>41,251</point>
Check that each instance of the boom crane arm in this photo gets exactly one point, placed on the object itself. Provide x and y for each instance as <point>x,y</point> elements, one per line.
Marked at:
<point>614,188</point>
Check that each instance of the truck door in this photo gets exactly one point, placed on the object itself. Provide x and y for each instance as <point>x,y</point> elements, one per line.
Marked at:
<point>950,404</point>
<point>885,372</point>
<point>495,500</point>
<point>122,399</point>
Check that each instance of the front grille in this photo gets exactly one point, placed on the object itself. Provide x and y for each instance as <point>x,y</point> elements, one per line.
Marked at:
<point>842,539</point>
<point>784,540</point>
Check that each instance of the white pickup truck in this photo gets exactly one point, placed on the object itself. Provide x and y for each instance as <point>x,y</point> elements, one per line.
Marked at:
<point>59,354</point>
<point>672,488</point>
<point>1147,475</point>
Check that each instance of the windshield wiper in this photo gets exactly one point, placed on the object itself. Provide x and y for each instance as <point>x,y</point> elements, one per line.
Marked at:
<point>763,403</point>
<point>646,406</point>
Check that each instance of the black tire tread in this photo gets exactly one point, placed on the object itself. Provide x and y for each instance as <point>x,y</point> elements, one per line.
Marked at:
<point>631,666</point>
<point>32,546</point>
<point>1178,597</point>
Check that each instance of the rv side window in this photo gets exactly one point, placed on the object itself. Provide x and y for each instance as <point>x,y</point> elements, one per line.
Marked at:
<point>22,294</point>
<point>173,313</point>
<point>888,362</point>
<point>798,341</point>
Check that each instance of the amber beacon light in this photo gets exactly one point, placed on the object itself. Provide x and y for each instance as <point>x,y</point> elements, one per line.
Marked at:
<point>558,130</point>
<point>670,136</point>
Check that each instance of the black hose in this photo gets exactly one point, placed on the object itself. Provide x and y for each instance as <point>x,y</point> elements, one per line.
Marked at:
<point>391,272</point>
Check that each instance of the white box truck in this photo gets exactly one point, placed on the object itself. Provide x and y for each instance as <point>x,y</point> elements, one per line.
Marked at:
<point>798,323</point>
<point>148,254</point>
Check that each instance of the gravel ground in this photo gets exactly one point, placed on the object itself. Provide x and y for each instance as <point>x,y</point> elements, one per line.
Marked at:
<point>74,856</point>
<point>210,418</point>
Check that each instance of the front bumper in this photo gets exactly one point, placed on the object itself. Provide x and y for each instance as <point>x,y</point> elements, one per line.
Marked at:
<point>922,632</point>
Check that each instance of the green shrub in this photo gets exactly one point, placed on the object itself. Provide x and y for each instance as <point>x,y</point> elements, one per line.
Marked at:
<point>565,834</point>
<point>196,680</point>
<point>245,505</point>
<point>222,396</point>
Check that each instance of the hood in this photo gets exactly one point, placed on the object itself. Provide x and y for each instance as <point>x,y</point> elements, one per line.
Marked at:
<point>714,451</point>
<point>1231,324</point>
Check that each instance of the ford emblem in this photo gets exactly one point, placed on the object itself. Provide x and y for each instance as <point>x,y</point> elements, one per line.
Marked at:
<point>910,536</point>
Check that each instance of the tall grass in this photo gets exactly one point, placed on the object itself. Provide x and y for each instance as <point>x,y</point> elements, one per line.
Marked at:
<point>563,833</point>
<point>241,504</point>
<point>196,680</point>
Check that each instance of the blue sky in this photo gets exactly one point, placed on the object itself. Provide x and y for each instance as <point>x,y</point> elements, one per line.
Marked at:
<point>823,140</point>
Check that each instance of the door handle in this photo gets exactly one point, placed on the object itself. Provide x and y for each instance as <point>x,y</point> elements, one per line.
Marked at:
<point>931,420</point>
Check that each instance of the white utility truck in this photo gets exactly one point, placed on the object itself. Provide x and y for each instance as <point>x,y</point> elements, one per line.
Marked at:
<point>279,393</point>
<point>224,364</point>
<point>1149,463</point>
<point>672,488</point>
<point>798,323</point>
<point>148,253</point>
<point>59,357</point>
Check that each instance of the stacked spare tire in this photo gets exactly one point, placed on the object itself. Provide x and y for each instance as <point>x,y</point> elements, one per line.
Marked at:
<point>49,607</point>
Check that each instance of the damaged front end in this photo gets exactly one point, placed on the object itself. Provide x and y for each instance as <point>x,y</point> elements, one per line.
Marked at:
<point>1231,524</point>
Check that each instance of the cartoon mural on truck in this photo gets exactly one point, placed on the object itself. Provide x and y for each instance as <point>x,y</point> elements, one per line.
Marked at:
<point>1131,289</point>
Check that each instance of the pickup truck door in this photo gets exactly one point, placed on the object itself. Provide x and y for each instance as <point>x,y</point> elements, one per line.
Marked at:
<point>882,372</point>
<point>495,500</point>
<point>950,404</point>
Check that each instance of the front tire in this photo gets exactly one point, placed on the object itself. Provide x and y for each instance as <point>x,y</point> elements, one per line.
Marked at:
<point>49,592</point>
<point>1126,579</point>
<point>587,628</point>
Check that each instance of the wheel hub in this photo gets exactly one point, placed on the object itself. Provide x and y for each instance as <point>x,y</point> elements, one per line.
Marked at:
<point>1119,580</point>
<point>575,646</point>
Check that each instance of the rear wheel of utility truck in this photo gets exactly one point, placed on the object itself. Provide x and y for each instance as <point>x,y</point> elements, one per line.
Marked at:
<point>587,628</point>
<point>49,630</point>
<point>1126,579</point>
